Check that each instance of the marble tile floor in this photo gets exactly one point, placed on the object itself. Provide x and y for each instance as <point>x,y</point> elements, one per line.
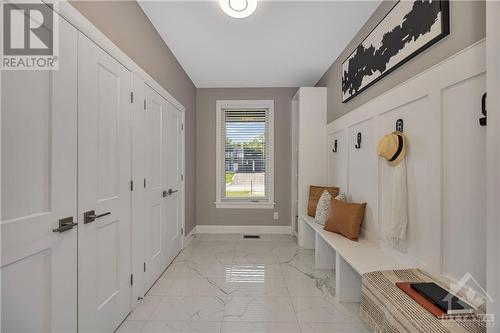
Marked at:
<point>227,284</point>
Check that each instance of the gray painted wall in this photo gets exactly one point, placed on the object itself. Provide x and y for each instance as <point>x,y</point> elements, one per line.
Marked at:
<point>206,213</point>
<point>127,26</point>
<point>467,26</point>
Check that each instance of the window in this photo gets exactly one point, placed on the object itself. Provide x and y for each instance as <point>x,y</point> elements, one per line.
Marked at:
<point>245,149</point>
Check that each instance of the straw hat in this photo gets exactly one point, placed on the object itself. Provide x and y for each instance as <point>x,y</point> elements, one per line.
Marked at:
<point>392,147</point>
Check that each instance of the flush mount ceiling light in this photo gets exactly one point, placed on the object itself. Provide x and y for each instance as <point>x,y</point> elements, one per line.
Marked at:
<point>238,8</point>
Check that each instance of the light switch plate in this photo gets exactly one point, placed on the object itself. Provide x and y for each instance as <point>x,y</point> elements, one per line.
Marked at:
<point>276,215</point>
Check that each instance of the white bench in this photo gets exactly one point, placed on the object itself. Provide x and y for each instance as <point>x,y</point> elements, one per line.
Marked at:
<point>350,259</point>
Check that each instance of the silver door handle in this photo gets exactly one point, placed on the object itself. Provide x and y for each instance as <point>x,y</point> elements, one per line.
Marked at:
<point>90,216</point>
<point>169,192</point>
<point>65,224</point>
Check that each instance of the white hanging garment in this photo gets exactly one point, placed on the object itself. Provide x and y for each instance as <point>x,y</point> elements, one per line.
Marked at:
<point>398,217</point>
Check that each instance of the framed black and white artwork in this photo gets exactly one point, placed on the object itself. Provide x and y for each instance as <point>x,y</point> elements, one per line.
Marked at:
<point>409,28</point>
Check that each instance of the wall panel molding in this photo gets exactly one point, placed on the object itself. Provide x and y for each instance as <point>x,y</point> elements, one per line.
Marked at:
<point>440,108</point>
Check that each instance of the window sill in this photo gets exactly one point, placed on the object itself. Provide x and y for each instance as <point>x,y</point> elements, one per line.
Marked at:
<point>244,205</point>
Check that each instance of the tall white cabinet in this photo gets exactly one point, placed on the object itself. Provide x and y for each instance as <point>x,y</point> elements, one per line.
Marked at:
<point>308,148</point>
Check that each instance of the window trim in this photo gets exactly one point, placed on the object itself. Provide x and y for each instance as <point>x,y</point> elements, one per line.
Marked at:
<point>244,104</point>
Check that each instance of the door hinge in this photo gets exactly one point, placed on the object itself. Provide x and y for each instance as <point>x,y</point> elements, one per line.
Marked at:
<point>483,120</point>
<point>182,231</point>
<point>182,126</point>
<point>144,104</point>
<point>131,97</point>
<point>144,182</point>
<point>131,185</point>
<point>182,177</point>
<point>144,267</point>
<point>131,279</point>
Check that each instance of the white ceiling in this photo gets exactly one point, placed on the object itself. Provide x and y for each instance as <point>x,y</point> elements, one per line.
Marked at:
<point>283,44</point>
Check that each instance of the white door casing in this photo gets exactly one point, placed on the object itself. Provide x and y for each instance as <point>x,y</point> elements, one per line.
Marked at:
<point>39,187</point>
<point>138,164</point>
<point>104,112</point>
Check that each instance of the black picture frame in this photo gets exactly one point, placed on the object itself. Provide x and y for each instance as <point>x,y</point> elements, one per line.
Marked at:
<point>445,30</point>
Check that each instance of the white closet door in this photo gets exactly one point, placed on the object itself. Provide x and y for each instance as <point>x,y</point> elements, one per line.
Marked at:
<point>39,120</point>
<point>174,181</point>
<point>104,258</point>
<point>156,182</point>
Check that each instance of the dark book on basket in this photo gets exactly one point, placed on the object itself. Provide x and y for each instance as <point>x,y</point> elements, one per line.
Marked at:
<point>421,300</point>
<point>438,296</point>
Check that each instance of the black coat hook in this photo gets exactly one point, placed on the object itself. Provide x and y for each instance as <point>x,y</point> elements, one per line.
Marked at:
<point>483,120</point>
<point>399,125</point>
<point>358,145</point>
<point>335,146</point>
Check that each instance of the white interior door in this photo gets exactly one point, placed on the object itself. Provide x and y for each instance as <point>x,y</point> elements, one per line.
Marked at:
<point>39,156</point>
<point>104,200</point>
<point>156,182</point>
<point>175,193</point>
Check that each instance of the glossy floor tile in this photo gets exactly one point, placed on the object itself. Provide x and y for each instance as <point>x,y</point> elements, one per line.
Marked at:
<point>224,284</point>
<point>265,309</point>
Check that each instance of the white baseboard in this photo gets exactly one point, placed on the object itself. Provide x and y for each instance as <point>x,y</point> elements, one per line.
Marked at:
<point>243,229</point>
<point>189,237</point>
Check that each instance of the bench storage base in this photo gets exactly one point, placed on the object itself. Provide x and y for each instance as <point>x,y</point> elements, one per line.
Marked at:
<point>349,259</point>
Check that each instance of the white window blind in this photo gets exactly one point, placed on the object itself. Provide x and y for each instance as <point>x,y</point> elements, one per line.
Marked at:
<point>246,155</point>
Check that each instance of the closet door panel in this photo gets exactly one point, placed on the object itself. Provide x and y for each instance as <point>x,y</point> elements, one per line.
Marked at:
<point>156,183</point>
<point>39,119</point>
<point>104,87</point>
<point>174,183</point>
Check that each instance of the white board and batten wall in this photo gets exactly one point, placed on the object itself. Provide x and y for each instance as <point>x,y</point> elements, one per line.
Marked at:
<point>89,146</point>
<point>446,165</point>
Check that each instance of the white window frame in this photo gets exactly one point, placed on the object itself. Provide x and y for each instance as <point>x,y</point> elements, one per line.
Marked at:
<point>221,105</point>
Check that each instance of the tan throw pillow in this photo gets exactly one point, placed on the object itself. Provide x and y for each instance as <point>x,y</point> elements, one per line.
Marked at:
<point>331,226</point>
<point>346,218</point>
<point>315,193</point>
